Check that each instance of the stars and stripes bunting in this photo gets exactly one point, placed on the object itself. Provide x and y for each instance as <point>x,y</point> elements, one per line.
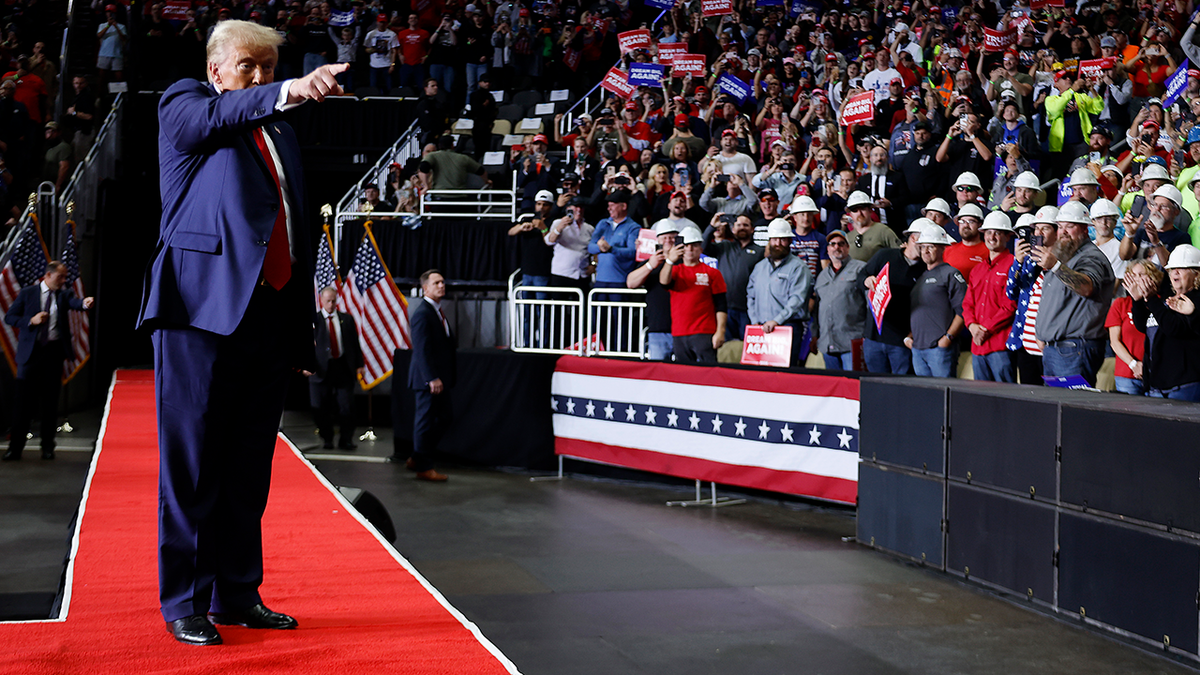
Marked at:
<point>371,297</point>
<point>326,274</point>
<point>81,345</point>
<point>20,266</point>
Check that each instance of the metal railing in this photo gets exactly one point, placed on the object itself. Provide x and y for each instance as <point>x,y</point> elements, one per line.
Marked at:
<point>99,164</point>
<point>553,320</point>
<point>616,326</point>
<point>500,204</point>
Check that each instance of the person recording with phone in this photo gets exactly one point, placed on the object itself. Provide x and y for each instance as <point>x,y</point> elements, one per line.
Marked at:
<point>1069,112</point>
<point>780,176</point>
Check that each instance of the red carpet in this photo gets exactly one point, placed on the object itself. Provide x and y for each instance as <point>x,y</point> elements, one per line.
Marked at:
<point>361,608</point>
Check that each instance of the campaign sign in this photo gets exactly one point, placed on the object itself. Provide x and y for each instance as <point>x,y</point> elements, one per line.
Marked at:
<point>949,15</point>
<point>601,26</point>
<point>617,82</point>
<point>646,74</point>
<point>1068,382</point>
<point>571,58</point>
<point>1064,191</point>
<point>688,64</point>
<point>633,39</point>
<point>769,3</point>
<point>661,4</point>
<point>1176,84</point>
<point>998,41</point>
<point>646,243</point>
<point>667,51</point>
<point>767,349</point>
<point>734,87</point>
<point>716,7</point>
<point>881,295</point>
<point>176,9</point>
<point>858,109</point>
<point>1022,24</point>
<point>1094,68</point>
<point>341,18</point>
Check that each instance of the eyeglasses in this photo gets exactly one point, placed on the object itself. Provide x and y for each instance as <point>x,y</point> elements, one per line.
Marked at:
<point>838,242</point>
<point>966,188</point>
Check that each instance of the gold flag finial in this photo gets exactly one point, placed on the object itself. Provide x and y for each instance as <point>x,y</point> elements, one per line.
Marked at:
<point>326,210</point>
<point>33,199</point>
<point>70,208</point>
<point>367,207</point>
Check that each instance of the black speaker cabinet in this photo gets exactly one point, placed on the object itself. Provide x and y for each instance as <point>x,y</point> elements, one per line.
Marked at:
<point>1120,459</point>
<point>901,422</point>
<point>1134,579</point>
<point>372,509</point>
<point>1000,539</point>
<point>901,512</point>
<point>1005,437</point>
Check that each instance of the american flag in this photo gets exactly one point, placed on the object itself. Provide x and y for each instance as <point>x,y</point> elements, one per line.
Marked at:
<point>81,345</point>
<point>326,275</point>
<point>371,297</point>
<point>23,264</point>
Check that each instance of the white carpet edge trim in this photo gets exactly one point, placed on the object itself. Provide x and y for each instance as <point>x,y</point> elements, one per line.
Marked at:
<point>466,623</point>
<point>69,582</point>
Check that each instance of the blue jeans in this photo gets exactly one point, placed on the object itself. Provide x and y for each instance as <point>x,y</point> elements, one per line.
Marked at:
<point>536,317</point>
<point>995,367</point>
<point>1184,392</point>
<point>1128,385</point>
<point>662,345</point>
<point>312,62</point>
<point>735,325</point>
<point>381,79</point>
<point>412,76</point>
<point>934,362</point>
<point>474,70</point>
<point>444,75</point>
<point>843,361</point>
<point>884,358</point>
<point>1074,356</point>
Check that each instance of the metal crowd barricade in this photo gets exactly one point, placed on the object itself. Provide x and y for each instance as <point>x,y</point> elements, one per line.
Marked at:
<point>616,326</point>
<point>549,325</point>
<point>479,204</point>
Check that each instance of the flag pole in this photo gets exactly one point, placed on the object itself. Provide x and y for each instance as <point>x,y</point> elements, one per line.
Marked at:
<point>66,427</point>
<point>369,434</point>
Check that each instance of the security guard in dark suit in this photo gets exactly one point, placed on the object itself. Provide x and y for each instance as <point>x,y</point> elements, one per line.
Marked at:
<point>431,375</point>
<point>339,359</point>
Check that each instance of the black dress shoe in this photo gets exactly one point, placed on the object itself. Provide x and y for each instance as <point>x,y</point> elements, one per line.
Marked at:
<point>11,456</point>
<point>48,454</point>
<point>194,630</point>
<point>257,616</point>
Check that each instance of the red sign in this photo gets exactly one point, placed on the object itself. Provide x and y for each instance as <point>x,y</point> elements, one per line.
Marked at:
<point>688,64</point>
<point>647,242</point>
<point>716,7</point>
<point>767,349</point>
<point>997,41</point>
<point>1095,67</point>
<point>881,295</point>
<point>668,50</point>
<point>858,109</point>
<point>594,344</point>
<point>601,25</point>
<point>176,9</point>
<point>1039,4</point>
<point>633,39</point>
<point>617,82</point>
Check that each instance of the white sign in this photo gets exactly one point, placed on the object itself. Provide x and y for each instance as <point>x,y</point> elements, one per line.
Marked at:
<point>560,94</point>
<point>544,109</point>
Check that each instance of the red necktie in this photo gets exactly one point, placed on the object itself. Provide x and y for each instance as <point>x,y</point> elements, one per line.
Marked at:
<point>277,268</point>
<point>445,326</point>
<point>334,352</point>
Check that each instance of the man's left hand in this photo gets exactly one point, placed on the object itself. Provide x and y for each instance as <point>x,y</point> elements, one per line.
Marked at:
<point>718,339</point>
<point>318,84</point>
<point>88,302</point>
<point>770,326</point>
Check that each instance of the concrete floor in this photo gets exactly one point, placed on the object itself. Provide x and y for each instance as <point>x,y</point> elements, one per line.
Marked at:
<point>594,575</point>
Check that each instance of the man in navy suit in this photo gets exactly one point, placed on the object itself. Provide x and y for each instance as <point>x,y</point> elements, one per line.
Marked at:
<point>228,298</point>
<point>40,313</point>
<point>431,374</point>
<point>331,385</point>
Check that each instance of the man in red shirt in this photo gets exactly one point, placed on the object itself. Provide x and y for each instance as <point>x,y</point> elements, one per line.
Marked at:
<point>970,251</point>
<point>31,90</point>
<point>638,133</point>
<point>414,47</point>
<point>987,310</point>
<point>698,309</point>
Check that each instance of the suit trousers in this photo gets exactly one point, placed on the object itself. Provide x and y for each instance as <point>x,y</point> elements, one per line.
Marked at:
<point>220,399</point>
<point>37,394</point>
<point>432,415</point>
<point>332,401</point>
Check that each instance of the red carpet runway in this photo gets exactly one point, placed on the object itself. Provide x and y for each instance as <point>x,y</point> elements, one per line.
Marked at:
<point>361,607</point>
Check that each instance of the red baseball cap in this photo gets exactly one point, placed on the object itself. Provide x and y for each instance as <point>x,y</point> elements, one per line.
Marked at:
<point>382,17</point>
<point>631,105</point>
<point>700,88</point>
<point>728,132</point>
<point>869,55</point>
<point>830,57</point>
<point>681,121</point>
<point>540,138</point>
<point>110,8</point>
<point>1150,123</point>
<point>896,80</point>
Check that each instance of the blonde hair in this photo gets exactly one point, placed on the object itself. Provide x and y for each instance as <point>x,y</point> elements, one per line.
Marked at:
<point>1149,268</point>
<point>230,35</point>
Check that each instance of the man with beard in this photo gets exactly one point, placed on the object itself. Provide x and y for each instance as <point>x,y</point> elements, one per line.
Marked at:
<point>1085,187</point>
<point>1076,294</point>
<point>736,259</point>
<point>921,170</point>
<point>967,148</point>
<point>1021,200</point>
<point>987,310</point>
<point>936,318</point>
<point>1155,234</point>
<point>886,189</point>
<point>1099,142</point>
<point>868,236</point>
<point>840,291</point>
<point>970,251</point>
<point>698,310</point>
<point>1024,286</point>
<point>777,294</point>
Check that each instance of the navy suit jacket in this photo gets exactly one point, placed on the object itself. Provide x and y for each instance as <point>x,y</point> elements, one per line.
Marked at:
<point>28,304</point>
<point>351,351</point>
<point>432,350</point>
<point>219,208</point>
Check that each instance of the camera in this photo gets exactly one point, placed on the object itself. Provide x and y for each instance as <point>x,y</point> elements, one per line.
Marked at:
<point>1037,240</point>
<point>786,166</point>
<point>621,180</point>
<point>606,121</point>
<point>1025,233</point>
<point>963,121</point>
<point>722,178</point>
<point>728,219</point>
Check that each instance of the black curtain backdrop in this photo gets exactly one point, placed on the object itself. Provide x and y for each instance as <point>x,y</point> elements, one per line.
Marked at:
<point>464,250</point>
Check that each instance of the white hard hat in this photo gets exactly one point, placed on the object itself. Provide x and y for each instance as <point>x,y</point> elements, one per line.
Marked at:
<point>803,204</point>
<point>1026,220</point>
<point>780,229</point>
<point>997,220</point>
<point>1184,256</point>
<point>1153,172</point>
<point>665,226</point>
<point>1047,214</point>
<point>938,204</point>
<point>919,224</point>
<point>1028,180</point>
<point>972,210</point>
<point>1103,208</point>
<point>690,235</point>
<point>1114,168</point>
<point>968,178</point>
<point>1083,176</point>
<point>858,198</point>
<point>1074,212</point>
<point>935,235</point>
<point>544,196</point>
<point>1170,192</point>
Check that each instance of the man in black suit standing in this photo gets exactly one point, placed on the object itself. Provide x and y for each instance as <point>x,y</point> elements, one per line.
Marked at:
<point>40,313</point>
<point>339,359</point>
<point>887,189</point>
<point>431,375</point>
